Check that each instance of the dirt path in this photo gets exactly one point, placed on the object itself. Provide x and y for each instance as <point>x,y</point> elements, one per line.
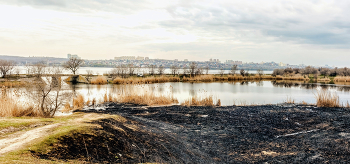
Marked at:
<point>20,139</point>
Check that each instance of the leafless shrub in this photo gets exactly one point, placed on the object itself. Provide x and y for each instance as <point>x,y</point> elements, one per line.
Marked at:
<point>6,67</point>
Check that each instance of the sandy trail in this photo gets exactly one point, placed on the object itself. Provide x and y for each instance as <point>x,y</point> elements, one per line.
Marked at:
<point>19,140</point>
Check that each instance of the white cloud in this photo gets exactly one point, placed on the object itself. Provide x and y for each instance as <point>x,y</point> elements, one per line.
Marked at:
<point>291,31</point>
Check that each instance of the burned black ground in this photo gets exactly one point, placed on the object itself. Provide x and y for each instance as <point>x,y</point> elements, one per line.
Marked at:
<point>248,134</point>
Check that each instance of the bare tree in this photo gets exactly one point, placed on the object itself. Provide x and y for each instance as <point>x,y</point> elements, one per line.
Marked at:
<point>260,72</point>
<point>131,69</point>
<point>222,71</point>
<point>6,67</point>
<point>174,70</point>
<point>233,69</point>
<point>242,72</point>
<point>28,68</point>
<point>39,69</point>
<point>161,70</point>
<point>48,93</point>
<point>73,64</point>
<point>199,71</point>
<point>277,72</point>
<point>325,72</point>
<point>152,69</point>
<point>193,67</point>
<point>89,73</point>
<point>206,70</point>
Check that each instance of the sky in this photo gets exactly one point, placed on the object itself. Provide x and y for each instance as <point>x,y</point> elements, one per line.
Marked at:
<point>312,32</point>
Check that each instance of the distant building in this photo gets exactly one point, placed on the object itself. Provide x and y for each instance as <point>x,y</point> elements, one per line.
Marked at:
<point>125,58</point>
<point>146,58</point>
<point>186,60</point>
<point>140,58</point>
<point>281,64</point>
<point>73,56</point>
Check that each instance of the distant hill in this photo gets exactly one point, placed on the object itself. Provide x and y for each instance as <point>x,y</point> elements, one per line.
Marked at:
<point>28,60</point>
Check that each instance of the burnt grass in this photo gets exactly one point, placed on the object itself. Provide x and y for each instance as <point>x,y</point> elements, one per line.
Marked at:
<point>284,133</point>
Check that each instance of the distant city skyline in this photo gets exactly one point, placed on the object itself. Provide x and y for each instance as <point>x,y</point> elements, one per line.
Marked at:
<point>290,31</point>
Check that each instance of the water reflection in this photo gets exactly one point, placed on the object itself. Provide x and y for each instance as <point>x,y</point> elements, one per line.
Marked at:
<point>249,92</point>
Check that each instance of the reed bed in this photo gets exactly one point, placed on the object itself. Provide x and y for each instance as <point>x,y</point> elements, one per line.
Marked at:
<point>146,99</point>
<point>11,106</point>
<point>327,99</point>
<point>78,102</point>
<point>99,80</point>
<point>146,80</point>
<point>12,84</point>
<point>324,80</point>
<point>195,101</point>
<point>342,79</point>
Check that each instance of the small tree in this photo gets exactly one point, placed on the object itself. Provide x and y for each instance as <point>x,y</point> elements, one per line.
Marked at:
<point>73,64</point>
<point>260,72</point>
<point>222,71</point>
<point>6,67</point>
<point>206,70</point>
<point>152,69</point>
<point>89,73</point>
<point>39,69</point>
<point>48,93</point>
<point>233,69</point>
<point>131,69</point>
<point>242,72</point>
<point>193,67</point>
<point>174,70</point>
<point>161,70</point>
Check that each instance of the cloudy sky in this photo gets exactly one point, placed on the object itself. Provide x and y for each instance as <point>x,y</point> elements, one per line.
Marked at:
<point>315,32</point>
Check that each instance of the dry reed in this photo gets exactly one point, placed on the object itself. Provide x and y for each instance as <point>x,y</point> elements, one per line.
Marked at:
<point>146,80</point>
<point>195,101</point>
<point>78,102</point>
<point>327,99</point>
<point>99,80</point>
<point>146,99</point>
<point>342,79</point>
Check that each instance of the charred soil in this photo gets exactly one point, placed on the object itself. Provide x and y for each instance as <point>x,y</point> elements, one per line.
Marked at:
<point>235,134</point>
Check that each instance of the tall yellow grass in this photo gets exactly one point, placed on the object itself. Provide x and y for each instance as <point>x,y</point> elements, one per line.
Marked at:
<point>342,79</point>
<point>99,80</point>
<point>78,102</point>
<point>11,84</point>
<point>10,107</point>
<point>146,99</point>
<point>146,80</point>
<point>327,99</point>
<point>195,101</point>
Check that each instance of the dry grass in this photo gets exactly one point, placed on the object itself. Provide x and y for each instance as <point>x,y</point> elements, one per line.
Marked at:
<point>66,108</point>
<point>78,102</point>
<point>327,99</point>
<point>99,80</point>
<point>146,99</point>
<point>11,106</point>
<point>324,80</point>
<point>146,80</point>
<point>11,84</point>
<point>342,79</point>
<point>195,101</point>
<point>290,100</point>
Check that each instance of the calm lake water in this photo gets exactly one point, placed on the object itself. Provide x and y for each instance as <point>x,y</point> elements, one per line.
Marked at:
<point>263,92</point>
